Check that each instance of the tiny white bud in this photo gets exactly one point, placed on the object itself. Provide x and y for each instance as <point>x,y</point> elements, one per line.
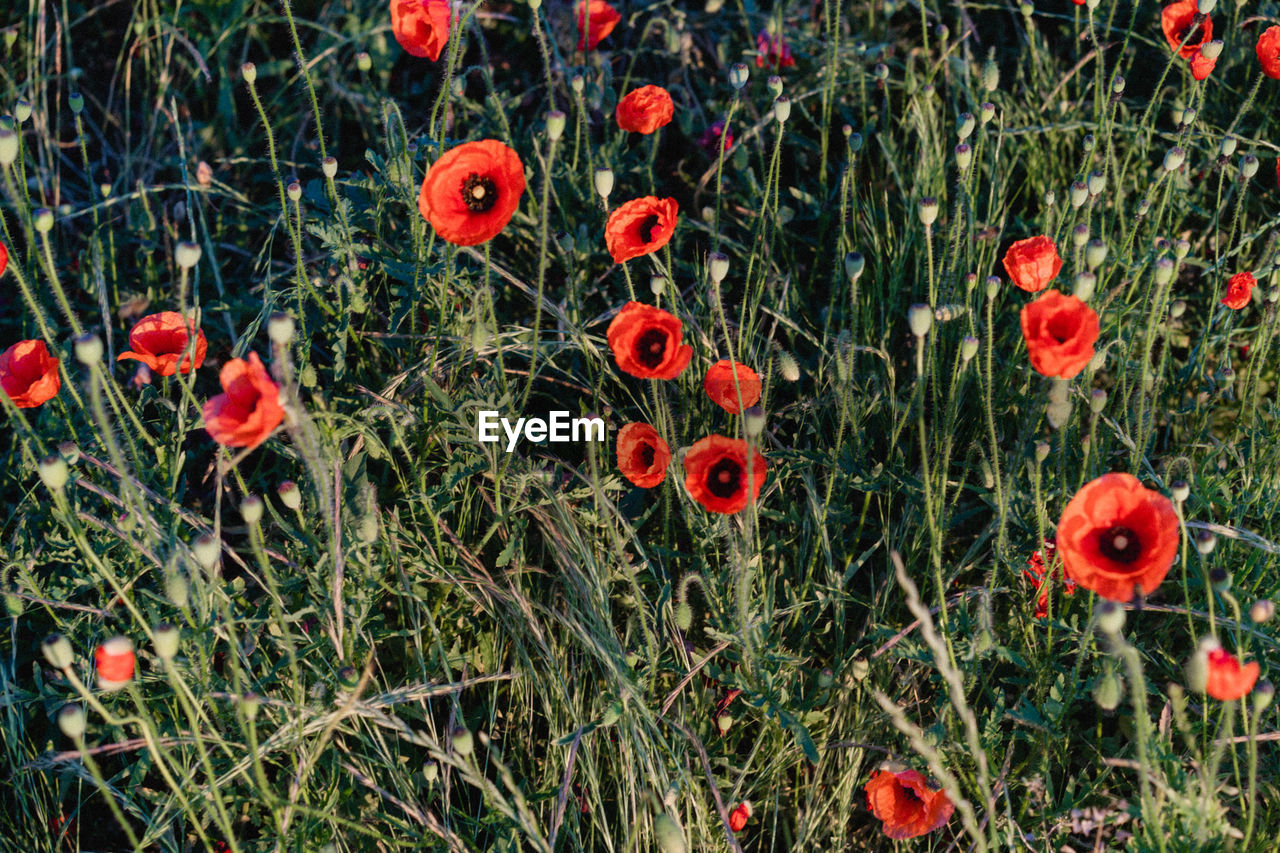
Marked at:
<point>920,319</point>
<point>187,255</point>
<point>280,329</point>
<point>249,72</point>
<point>88,349</point>
<point>604,182</point>
<point>717,266</point>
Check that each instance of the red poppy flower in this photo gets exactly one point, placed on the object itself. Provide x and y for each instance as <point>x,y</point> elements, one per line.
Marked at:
<point>1116,534</point>
<point>716,473</point>
<point>1035,572</point>
<point>772,51</point>
<point>249,410</point>
<point>1179,21</point>
<point>470,194</point>
<point>1226,678</point>
<point>643,456</point>
<point>1202,66</point>
<point>1079,2</point>
<point>710,140</point>
<point>1060,332</point>
<point>115,662</point>
<point>739,816</point>
<point>421,26</point>
<point>646,109</point>
<point>28,374</point>
<point>640,226</point>
<point>596,19</point>
<point>160,340</point>
<point>723,390</point>
<point>906,803</point>
<point>646,342</point>
<point>1032,263</point>
<point>1268,51</point>
<point>4,258</point>
<point>1239,289</point>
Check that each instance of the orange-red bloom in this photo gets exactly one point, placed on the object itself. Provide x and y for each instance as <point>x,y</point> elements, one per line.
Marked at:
<point>906,803</point>
<point>739,816</point>
<point>28,374</point>
<point>710,139</point>
<point>249,409</point>
<point>1268,51</point>
<point>1116,534</point>
<point>1239,289</point>
<point>160,340</point>
<point>772,51</point>
<point>646,342</point>
<point>421,26</point>
<point>640,226</point>
<point>1032,263</point>
<point>596,19</point>
<point>1035,572</point>
<point>1178,20</point>
<point>643,456</point>
<point>115,662</point>
<point>1202,66</point>
<point>1226,677</point>
<point>716,473</point>
<point>4,258</point>
<point>470,194</point>
<point>723,391</point>
<point>646,109</point>
<point>1060,332</point>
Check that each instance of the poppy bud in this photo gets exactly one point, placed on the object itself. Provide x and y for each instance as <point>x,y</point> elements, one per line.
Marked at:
<point>968,348</point>
<point>53,473</point>
<point>167,640</point>
<point>1179,490</point>
<point>1227,375</point>
<point>294,190</point>
<point>576,83</point>
<point>1058,413</point>
<point>1117,85</point>
<point>555,125</point>
<point>462,741</point>
<point>880,71</point>
<point>57,651</point>
<point>1089,142</point>
<point>1205,541</point>
<point>115,660</point>
<point>1220,580</point>
<point>249,72</point>
<point>430,772</point>
<point>1094,254</point>
<point>1050,198</point>
<point>990,75</point>
<point>1263,692</point>
<point>72,721</point>
<point>76,102</point>
<point>928,210</point>
<point>717,266</point>
<point>1080,235</point>
<point>1098,361</point>
<point>1059,390</point>
<point>753,422</point>
<point>670,838</point>
<point>44,219</point>
<point>1262,611</point>
<point>1108,691</point>
<point>1084,286</point>
<point>1227,147</point>
<point>1273,295</point>
<point>1109,617</point>
<point>964,126</point>
<point>684,616</point>
<point>368,529</point>
<point>88,349</point>
<point>187,255</point>
<point>1164,271</point>
<point>1248,166</point>
<point>1206,7</point>
<point>177,590</point>
<point>1177,309</point>
<point>290,495</point>
<point>604,182</point>
<point>1211,49</point>
<point>738,75</point>
<point>1174,158</point>
<point>22,110</point>
<point>782,109</point>
<point>854,263</point>
<point>1042,451</point>
<point>206,550</point>
<point>993,286</point>
<point>739,816</point>
<point>1079,193</point>
<point>775,85</point>
<point>363,61</point>
<point>920,319</point>
<point>329,166</point>
<point>251,509</point>
<point>8,147</point>
<point>964,157</point>
<point>986,112</point>
<point>1097,182</point>
<point>249,704</point>
<point>787,366</point>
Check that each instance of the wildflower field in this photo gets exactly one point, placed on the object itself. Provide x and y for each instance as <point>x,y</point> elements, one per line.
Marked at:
<point>639,426</point>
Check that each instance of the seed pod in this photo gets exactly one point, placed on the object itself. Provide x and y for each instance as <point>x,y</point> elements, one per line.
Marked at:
<point>251,509</point>
<point>294,191</point>
<point>22,110</point>
<point>187,255</point>
<point>44,220</point>
<point>964,158</point>
<point>329,166</point>
<point>168,639</point>
<point>928,210</point>
<point>206,550</point>
<point>717,266</point>
<point>1117,85</point>
<point>290,495</point>
<point>177,590</point>
<point>964,126</point>
<point>1097,183</point>
<point>920,319</point>
<point>1085,284</point>
<point>775,85</point>
<point>753,421</point>
<point>1080,235</point>
<point>555,125</point>
<point>1263,692</point>
<point>990,75</point>
<point>1206,541</point>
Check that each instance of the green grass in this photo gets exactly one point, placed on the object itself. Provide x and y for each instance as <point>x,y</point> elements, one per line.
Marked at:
<point>452,647</point>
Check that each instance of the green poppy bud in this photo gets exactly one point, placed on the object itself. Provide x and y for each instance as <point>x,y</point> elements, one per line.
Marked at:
<point>72,721</point>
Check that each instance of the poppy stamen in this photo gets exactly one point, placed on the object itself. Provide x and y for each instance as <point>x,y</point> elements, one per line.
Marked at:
<point>1120,544</point>
<point>647,226</point>
<point>479,193</point>
<point>651,347</point>
<point>647,454</point>
<point>724,478</point>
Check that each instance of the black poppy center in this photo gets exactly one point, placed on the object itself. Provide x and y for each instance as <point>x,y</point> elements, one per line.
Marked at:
<point>911,795</point>
<point>647,226</point>
<point>646,456</point>
<point>1061,328</point>
<point>724,478</point>
<point>1120,544</point>
<point>479,193</point>
<point>651,348</point>
<point>1192,34</point>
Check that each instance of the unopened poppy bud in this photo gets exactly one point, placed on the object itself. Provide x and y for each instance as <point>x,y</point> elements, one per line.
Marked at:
<point>88,349</point>
<point>1227,146</point>
<point>782,109</point>
<point>1084,286</point>
<point>1098,361</point>
<point>187,255</point>
<point>364,62</point>
<point>8,147</point>
<point>167,639</point>
<point>1206,7</point>
<point>115,661</point>
<point>964,126</point>
<point>775,85</point>
<point>717,266</point>
<point>72,721</point>
<point>1089,142</point>
<point>1181,248</point>
<point>1058,413</point>
<point>1117,85</point>
<point>290,494</point>
<point>993,286</point>
<point>1248,166</point>
<point>788,369</point>
<point>1263,692</point>
<point>684,616</point>
<point>1177,309</point>
<point>22,110</point>
<point>249,704</point>
<point>928,210</point>
<point>251,509</point>
<point>968,348</point>
<point>1042,451</point>
<point>1211,49</point>
<point>920,319</point>
<point>1050,198</point>
<point>555,125</point>
<point>1273,295</point>
<point>1110,617</point>
<point>329,166</point>
<point>44,220</point>
<point>753,421</point>
<point>1097,182</point>
<point>249,72</point>
<point>1220,580</point>
<point>1108,691</point>
<point>854,263</point>
<point>667,832</point>
<point>1174,158</point>
<point>53,473</point>
<point>1189,116</point>
<point>177,590</point>
<point>577,84</point>
<point>1205,541</point>
<point>986,112</point>
<point>990,75</point>
<point>964,157</point>
<point>604,182</point>
<point>368,528</point>
<point>206,550</point>
<point>1179,491</point>
<point>1164,271</point>
<point>724,722</point>
<point>880,71</point>
<point>738,75</point>
<point>294,190</point>
<point>1094,254</point>
<point>657,285</point>
<point>1080,235</point>
<point>1079,193</point>
<point>1262,611</point>
<point>57,651</point>
<point>463,743</point>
